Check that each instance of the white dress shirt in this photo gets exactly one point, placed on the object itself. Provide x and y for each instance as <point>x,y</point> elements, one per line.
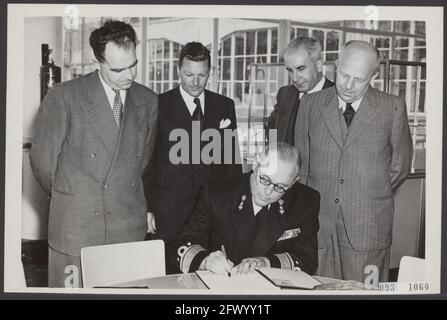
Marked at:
<point>319,86</point>
<point>189,101</point>
<point>111,94</point>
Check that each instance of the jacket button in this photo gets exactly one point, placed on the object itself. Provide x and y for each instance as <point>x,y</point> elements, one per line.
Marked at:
<point>133,184</point>
<point>93,155</point>
<point>342,181</point>
<point>337,200</point>
<point>106,186</point>
<point>134,210</point>
<point>97,213</point>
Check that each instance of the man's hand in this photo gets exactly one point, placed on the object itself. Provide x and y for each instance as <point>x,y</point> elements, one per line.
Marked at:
<point>151,223</point>
<point>249,265</point>
<point>217,263</point>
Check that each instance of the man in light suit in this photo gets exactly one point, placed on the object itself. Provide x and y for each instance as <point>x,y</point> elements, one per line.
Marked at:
<point>172,188</point>
<point>93,138</point>
<point>304,65</point>
<point>356,148</point>
<point>263,218</point>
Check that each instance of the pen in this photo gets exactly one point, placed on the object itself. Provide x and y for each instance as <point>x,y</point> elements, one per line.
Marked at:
<point>225,254</point>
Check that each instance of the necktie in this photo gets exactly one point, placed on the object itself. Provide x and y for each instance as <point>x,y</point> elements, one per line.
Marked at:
<point>349,114</point>
<point>197,114</point>
<point>117,108</point>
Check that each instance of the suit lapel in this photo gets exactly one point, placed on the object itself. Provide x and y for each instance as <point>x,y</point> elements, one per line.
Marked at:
<point>238,213</point>
<point>367,111</point>
<point>329,111</point>
<point>271,229</point>
<point>133,118</point>
<point>101,117</point>
<point>179,112</point>
<point>212,115</point>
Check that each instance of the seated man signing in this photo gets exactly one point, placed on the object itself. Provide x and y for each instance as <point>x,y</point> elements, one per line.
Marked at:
<point>260,219</point>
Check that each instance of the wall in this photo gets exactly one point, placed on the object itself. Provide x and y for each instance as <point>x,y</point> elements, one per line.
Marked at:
<point>34,203</point>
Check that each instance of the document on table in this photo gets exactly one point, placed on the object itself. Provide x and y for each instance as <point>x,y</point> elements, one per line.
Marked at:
<point>289,278</point>
<point>251,281</point>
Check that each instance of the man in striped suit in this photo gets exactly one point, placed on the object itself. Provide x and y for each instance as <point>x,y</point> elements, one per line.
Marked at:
<point>356,149</point>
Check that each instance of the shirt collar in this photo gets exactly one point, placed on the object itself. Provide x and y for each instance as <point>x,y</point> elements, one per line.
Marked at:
<point>317,87</point>
<point>355,105</point>
<point>189,100</point>
<point>110,93</point>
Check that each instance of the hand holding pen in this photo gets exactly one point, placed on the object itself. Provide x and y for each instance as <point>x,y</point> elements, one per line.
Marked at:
<point>218,263</point>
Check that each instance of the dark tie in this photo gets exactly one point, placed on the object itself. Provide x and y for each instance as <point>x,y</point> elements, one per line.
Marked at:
<point>117,108</point>
<point>197,114</point>
<point>349,114</point>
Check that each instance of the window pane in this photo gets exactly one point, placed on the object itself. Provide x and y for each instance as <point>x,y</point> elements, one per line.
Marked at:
<point>239,68</point>
<point>151,71</point>
<point>401,54</point>
<point>382,42</point>
<point>166,49</point>
<point>176,50</point>
<point>420,42</point>
<point>420,27</point>
<point>159,50</point>
<point>385,25</point>
<point>419,54</point>
<point>274,59</point>
<point>331,56</point>
<point>402,26</point>
<point>318,35</point>
<point>401,42</point>
<point>274,46</point>
<point>158,70</point>
<point>239,43</point>
<point>238,93</point>
<point>174,70</point>
<point>332,41</point>
<point>166,70</point>
<point>262,42</point>
<point>226,69</point>
<point>227,47</point>
<point>165,86</point>
<point>248,62</point>
<point>292,33</point>
<point>250,49</point>
<point>301,32</point>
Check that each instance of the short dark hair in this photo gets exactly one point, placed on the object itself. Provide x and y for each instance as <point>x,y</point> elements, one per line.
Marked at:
<point>194,51</point>
<point>120,33</point>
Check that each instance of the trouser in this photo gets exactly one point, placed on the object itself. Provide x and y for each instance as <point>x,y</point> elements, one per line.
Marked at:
<point>64,271</point>
<point>341,261</point>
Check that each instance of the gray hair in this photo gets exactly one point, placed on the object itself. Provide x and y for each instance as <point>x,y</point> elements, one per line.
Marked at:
<point>286,153</point>
<point>311,45</point>
<point>363,47</point>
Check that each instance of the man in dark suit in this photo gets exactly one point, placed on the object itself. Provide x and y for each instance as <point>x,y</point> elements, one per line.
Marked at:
<point>356,148</point>
<point>93,137</point>
<point>260,219</point>
<point>172,186</point>
<point>303,62</point>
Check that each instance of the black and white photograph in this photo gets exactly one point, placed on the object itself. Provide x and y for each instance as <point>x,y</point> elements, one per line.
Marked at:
<point>184,149</point>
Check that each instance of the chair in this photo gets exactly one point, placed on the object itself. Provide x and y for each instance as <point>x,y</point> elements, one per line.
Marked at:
<point>109,265</point>
<point>411,269</point>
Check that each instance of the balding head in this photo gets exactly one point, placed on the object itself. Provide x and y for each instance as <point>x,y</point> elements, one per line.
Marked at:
<point>358,62</point>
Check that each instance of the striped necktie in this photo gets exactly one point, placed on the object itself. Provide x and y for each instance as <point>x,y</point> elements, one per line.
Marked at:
<point>117,108</point>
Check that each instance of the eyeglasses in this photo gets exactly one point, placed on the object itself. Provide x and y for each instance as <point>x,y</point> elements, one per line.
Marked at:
<point>265,181</point>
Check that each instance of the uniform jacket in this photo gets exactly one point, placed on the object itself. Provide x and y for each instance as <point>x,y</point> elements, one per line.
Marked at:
<point>358,171</point>
<point>92,171</point>
<point>172,189</point>
<point>288,239</point>
<point>284,112</point>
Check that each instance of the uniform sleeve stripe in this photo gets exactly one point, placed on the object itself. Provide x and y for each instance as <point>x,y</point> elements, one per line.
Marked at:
<point>285,260</point>
<point>188,257</point>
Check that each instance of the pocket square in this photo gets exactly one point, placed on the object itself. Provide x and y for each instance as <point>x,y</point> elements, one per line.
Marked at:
<point>289,234</point>
<point>224,123</point>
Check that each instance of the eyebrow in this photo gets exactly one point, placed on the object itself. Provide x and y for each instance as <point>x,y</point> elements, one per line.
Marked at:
<point>121,69</point>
